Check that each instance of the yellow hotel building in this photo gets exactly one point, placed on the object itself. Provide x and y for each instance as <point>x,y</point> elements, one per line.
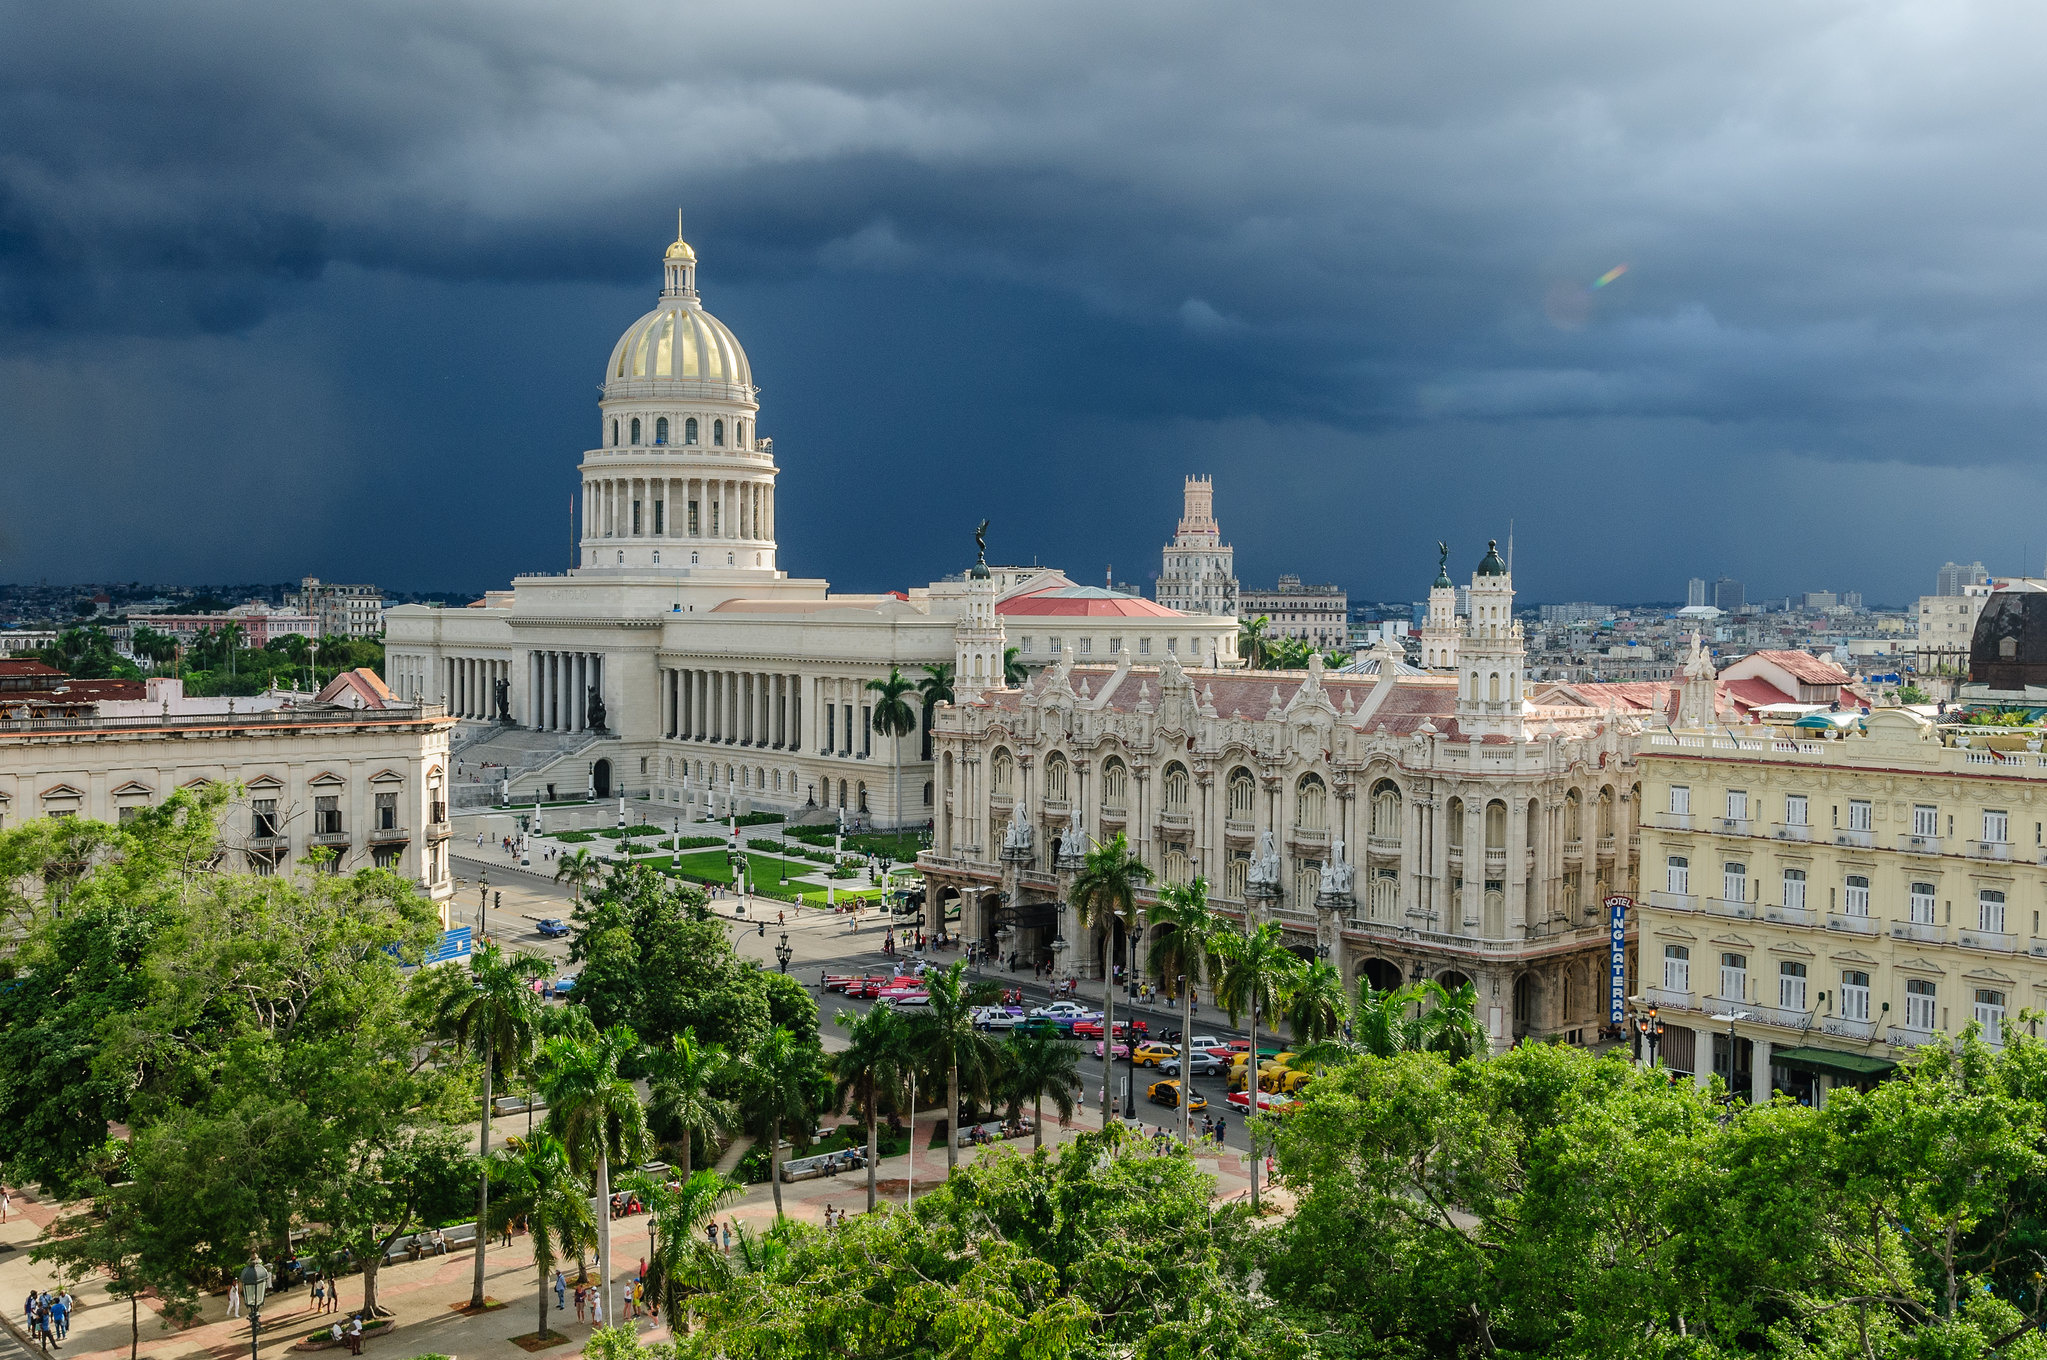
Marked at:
<point>1815,904</point>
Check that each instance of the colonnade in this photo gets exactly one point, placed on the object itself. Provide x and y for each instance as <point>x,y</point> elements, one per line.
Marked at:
<point>762,709</point>
<point>731,509</point>
<point>558,686</point>
<point>470,684</point>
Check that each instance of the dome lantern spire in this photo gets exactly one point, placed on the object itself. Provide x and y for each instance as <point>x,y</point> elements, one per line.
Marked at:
<point>679,266</point>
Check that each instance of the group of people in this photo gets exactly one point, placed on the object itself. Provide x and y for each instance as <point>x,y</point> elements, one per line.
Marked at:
<point>624,1204</point>
<point>49,1315</point>
<point>713,1232</point>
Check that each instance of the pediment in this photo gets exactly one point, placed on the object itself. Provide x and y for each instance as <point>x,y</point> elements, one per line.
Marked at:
<point>1673,932</point>
<point>197,782</point>
<point>1855,956</point>
<point>1730,939</point>
<point>1987,974</point>
<point>61,792</point>
<point>1921,964</point>
<point>326,779</point>
<point>388,777</point>
<point>134,789</point>
<point>266,781</point>
<point>1791,947</point>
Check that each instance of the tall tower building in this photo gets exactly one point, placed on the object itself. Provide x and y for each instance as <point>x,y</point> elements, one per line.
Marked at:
<point>1695,592</point>
<point>1492,658</point>
<point>1955,578</point>
<point>1439,633</point>
<point>1199,575</point>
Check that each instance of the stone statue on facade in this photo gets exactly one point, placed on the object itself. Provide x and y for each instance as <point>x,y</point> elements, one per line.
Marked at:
<point>502,697</point>
<point>981,544</point>
<point>1016,837</point>
<point>593,711</point>
<point>1337,874</point>
<point>1263,877</point>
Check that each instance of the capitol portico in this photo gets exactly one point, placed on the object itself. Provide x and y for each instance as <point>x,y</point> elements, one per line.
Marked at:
<point>677,660</point>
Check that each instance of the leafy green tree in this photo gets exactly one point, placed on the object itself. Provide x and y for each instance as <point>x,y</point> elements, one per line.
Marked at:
<point>579,869</point>
<point>1254,641</point>
<point>494,1017</point>
<point>679,1263</point>
<point>1037,1068</point>
<point>685,1079</point>
<point>1257,973</point>
<point>1184,931</point>
<point>596,1113</point>
<point>538,1184</point>
<point>934,688</point>
<point>783,1083</point>
<point>1314,1004</point>
<point>111,1234</point>
<point>943,1037</point>
<point>1105,899</point>
<point>1013,672</point>
<point>874,1066</point>
<point>892,716</point>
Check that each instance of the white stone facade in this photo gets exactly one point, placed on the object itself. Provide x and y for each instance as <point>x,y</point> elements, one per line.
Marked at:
<point>1199,574</point>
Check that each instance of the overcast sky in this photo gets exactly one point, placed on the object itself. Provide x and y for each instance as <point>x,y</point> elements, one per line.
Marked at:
<point>328,289</point>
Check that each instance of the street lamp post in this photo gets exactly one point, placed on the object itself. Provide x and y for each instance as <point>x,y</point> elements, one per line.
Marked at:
<point>1649,1026</point>
<point>783,953</point>
<point>255,1284</point>
<point>482,905</point>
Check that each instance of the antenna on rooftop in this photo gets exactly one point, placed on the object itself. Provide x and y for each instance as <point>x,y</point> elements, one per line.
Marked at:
<point>1510,547</point>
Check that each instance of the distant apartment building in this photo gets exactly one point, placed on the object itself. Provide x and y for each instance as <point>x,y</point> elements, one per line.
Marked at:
<point>1319,614</point>
<point>1820,599</point>
<point>341,611</point>
<point>20,641</point>
<point>1955,579</point>
<point>260,624</point>
<point>1946,623</point>
<point>1695,592</point>
<point>1199,572</point>
<point>1578,612</point>
<point>1728,596</point>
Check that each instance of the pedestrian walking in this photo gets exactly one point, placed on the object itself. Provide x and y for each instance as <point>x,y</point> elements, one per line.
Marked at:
<point>728,1237</point>
<point>561,1286</point>
<point>355,1335</point>
<point>579,1303</point>
<point>234,1298</point>
<point>6,1204</point>
<point>61,1312</point>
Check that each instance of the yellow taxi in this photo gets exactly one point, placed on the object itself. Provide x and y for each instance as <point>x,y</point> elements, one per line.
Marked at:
<point>1151,1053</point>
<point>1269,1065</point>
<point>1276,1080</point>
<point>1167,1093</point>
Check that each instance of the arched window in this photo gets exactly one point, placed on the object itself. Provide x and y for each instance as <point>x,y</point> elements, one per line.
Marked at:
<point>1176,863</point>
<point>689,430</point>
<point>1178,786</point>
<point>1574,807</point>
<point>1003,781</point>
<point>614,432</point>
<point>927,793</point>
<point>1237,874</point>
<point>1311,804</point>
<point>842,792</point>
<point>1243,793</point>
<point>718,433</point>
<point>1453,823</point>
<point>739,433</point>
<point>636,429</point>
<point>1055,778</point>
<point>1496,825</point>
<point>863,795</point>
<point>1115,785</point>
<point>1386,811</point>
<point>1385,894</point>
<point>661,430</point>
<point>1606,812</point>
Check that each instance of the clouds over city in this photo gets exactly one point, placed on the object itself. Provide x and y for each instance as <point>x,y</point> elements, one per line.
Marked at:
<point>1343,257</point>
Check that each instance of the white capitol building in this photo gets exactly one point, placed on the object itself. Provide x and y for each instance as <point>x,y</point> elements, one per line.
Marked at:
<point>677,659</point>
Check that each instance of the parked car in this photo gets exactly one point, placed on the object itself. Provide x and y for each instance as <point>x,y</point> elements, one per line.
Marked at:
<point>1266,1102</point>
<point>552,929</point>
<point>1151,1054</point>
<point>1208,1043</point>
<point>1167,1093</point>
<point>1038,1025</point>
<point>1121,1050</point>
<point>1066,1012</point>
<point>1092,1028</point>
<point>564,985</point>
<point>1203,1065</point>
<point>996,1017</point>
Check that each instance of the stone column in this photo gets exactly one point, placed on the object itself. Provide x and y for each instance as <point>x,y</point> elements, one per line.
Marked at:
<point>1759,1089</point>
<point>1514,903</point>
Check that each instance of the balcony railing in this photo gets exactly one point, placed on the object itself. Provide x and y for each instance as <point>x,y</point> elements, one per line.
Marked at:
<point>1999,850</point>
<point>1848,1029</point>
<point>1922,932</point>
<point>1791,916</point>
<point>1996,940</point>
<point>1860,840</point>
<point>1904,1036</point>
<point>1574,848</point>
<point>1670,901</point>
<point>1606,846</point>
<point>1495,863</point>
<point>1779,1016</point>
<point>1733,826</point>
<point>1854,925</point>
<point>1739,911</point>
<point>1382,845</point>
<point>1674,821</point>
<point>1919,845</point>
<point>1668,999</point>
<point>1785,831</point>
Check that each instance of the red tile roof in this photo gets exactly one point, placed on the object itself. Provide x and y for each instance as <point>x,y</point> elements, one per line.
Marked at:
<point>1082,602</point>
<point>1805,666</point>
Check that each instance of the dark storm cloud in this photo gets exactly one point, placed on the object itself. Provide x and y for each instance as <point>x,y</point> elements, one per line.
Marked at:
<point>1342,255</point>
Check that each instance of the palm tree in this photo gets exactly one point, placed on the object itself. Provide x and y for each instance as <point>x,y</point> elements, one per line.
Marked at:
<point>1105,895</point>
<point>1013,673</point>
<point>579,869</point>
<point>1449,1021</point>
<point>873,1065</point>
<point>1183,944</point>
<point>538,1184</point>
<point>1035,1067</point>
<point>1256,971</point>
<point>494,1016</point>
<point>781,1082</point>
<point>597,1114</point>
<point>944,1037</point>
<point>934,689</point>
<point>893,717</point>
<point>1253,641</point>
<point>684,1108</point>
<point>676,1255</point>
<point>1315,1005</point>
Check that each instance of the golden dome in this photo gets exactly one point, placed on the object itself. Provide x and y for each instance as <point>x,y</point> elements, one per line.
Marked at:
<point>681,251</point>
<point>680,341</point>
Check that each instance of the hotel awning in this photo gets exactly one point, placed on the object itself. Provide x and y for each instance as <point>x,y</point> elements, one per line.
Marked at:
<point>1832,1062</point>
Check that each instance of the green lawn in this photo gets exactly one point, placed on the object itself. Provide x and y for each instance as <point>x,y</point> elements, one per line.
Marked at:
<point>713,865</point>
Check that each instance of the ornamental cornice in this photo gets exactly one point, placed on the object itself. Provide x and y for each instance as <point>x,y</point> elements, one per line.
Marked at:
<point>585,621</point>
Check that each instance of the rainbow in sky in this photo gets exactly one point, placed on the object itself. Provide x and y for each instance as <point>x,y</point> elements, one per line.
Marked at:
<point>1609,276</point>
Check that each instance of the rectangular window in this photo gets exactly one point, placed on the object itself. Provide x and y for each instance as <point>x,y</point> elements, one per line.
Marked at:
<point>1677,875</point>
<point>866,730</point>
<point>1855,899</point>
<point>693,530</point>
<point>1990,911</point>
<point>831,726</point>
<point>263,818</point>
<point>1794,889</point>
<point>636,519</point>
<point>1677,968</point>
<point>1144,646</point>
<point>1087,645</point>
<point>1737,805</point>
<point>1024,645</point>
<point>1996,827</point>
<point>126,814</point>
<point>327,816</point>
<point>1858,814</point>
<point>1854,996</point>
<point>385,856</point>
<point>1922,904</point>
<point>1680,800</point>
<point>387,812</point>
<point>1734,882</point>
<point>847,737</point>
<point>1057,644</point>
<point>1734,976</point>
<point>1919,997</point>
<point>1925,820</point>
<point>1115,645</point>
<point>659,506</point>
<point>714,519</point>
<point>1990,1014</point>
<point>1794,810</point>
<point>1173,645</point>
<point>1791,986</point>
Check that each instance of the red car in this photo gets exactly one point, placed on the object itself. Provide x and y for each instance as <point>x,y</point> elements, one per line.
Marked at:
<point>1092,1029</point>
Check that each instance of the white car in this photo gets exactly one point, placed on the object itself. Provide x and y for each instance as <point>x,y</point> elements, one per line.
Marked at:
<point>903,1001</point>
<point>995,1017</point>
<point>1068,1011</point>
<point>1202,1041</point>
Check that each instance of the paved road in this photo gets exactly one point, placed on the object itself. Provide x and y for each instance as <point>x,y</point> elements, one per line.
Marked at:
<point>821,943</point>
